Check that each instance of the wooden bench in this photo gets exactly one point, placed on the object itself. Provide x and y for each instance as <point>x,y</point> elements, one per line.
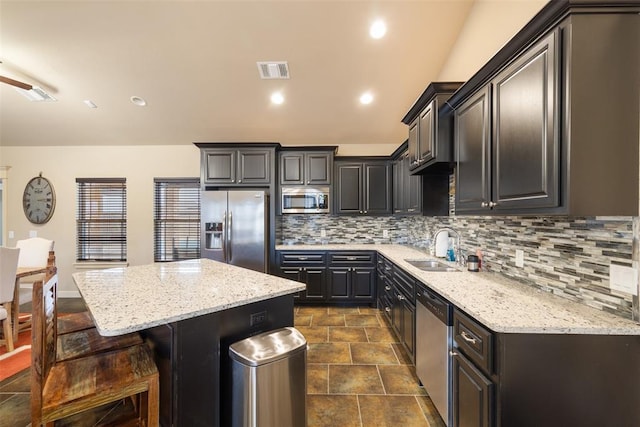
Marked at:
<point>63,388</point>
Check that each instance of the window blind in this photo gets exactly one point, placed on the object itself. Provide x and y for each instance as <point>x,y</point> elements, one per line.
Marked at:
<point>176,219</point>
<point>101,219</point>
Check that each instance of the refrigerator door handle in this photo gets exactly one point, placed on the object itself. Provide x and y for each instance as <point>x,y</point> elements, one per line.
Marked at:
<point>229,236</point>
<point>224,236</point>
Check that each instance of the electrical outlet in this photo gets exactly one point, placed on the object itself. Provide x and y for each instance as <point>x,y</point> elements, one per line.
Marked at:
<point>11,235</point>
<point>385,233</point>
<point>519,258</point>
<point>323,233</point>
<point>623,279</point>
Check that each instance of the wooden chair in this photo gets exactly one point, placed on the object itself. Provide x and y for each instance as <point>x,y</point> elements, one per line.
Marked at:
<point>34,252</point>
<point>61,389</point>
<point>8,267</point>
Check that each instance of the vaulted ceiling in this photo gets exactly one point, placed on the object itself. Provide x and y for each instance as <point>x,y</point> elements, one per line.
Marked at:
<point>194,62</point>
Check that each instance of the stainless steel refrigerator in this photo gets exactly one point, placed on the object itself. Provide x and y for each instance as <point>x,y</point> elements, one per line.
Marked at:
<point>234,227</point>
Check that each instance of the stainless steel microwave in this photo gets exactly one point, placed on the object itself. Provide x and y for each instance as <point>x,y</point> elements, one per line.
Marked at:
<point>305,200</point>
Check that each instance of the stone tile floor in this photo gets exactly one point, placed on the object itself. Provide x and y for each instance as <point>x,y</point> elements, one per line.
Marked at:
<point>357,375</point>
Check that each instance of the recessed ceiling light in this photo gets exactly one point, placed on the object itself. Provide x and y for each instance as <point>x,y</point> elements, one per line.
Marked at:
<point>378,29</point>
<point>140,102</point>
<point>277,98</point>
<point>89,103</point>
<point>366,98</point>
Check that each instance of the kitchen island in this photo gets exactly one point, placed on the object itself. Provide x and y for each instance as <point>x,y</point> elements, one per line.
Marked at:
<point>190,312</point>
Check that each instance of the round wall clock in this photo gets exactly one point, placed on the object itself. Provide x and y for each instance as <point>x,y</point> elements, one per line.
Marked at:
<point>39,200</point>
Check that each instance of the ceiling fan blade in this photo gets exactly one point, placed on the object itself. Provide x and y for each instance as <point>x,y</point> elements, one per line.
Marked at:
<point>15,83</point>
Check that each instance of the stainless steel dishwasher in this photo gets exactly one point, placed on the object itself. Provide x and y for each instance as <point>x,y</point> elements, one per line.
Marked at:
<point>433,345</point>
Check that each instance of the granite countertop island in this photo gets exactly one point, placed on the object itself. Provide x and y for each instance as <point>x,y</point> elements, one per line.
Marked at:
<point>501,304</point>
<point>129,299</point>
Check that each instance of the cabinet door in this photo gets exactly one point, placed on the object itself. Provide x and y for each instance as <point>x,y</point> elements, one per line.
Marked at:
<point>348,188</point>
<point>254,167</point>
<point>413,143</point>
<point>219,166</point>
<point>295,274</point>
<point>363,283</point>
<point>413,188</point>
<point>377,188</point>
<point>409,327</point>
<point>427,133</point>
<point>318,168</point>
<point>291,168</point>
<point>472,133</point>
<point>316,280</point>
<point>526,155</point>
<point>472,395</point>
<point>396,312</point>
<point>398,185</point>
<point>339,283</point>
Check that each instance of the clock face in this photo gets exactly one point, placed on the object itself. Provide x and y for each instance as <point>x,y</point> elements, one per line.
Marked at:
<point>38,200</point>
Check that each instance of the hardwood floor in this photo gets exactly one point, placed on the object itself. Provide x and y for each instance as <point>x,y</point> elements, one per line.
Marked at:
<point>357,375</point>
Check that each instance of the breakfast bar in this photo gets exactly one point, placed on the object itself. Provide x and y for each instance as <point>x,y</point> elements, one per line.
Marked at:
<point>189,312</point>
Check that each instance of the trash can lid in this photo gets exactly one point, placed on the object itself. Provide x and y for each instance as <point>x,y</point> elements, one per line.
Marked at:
<point>267,347</point>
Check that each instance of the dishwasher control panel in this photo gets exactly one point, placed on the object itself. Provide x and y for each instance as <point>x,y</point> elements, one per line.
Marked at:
<point>440,307</point>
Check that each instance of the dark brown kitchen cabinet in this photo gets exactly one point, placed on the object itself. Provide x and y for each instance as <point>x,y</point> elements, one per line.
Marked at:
<point>430,130</point>
<point>237,166</point>
<point>352,276</point>
<point>473,395</point>
<point>363,187</point>
<point>306,168</point>
<point>407,188</point>
<point>512,161</point>
<point>503,379</point>
<point>550,125</point>
<point>308,268</point>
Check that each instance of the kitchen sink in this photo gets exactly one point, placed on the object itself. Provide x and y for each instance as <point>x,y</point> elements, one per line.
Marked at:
<point>430,265</point>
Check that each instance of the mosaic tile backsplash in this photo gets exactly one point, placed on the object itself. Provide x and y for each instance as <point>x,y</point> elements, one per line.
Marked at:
<point>567,256</point>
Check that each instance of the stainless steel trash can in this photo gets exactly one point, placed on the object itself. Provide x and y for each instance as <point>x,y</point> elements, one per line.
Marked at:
<point>269,386</point>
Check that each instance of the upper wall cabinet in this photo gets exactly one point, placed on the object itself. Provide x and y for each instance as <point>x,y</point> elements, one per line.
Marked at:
<point>551,125</point>
<point>227,165</point>
<point>430,130</point>
<point>306,167</point>
<point>363,187</point>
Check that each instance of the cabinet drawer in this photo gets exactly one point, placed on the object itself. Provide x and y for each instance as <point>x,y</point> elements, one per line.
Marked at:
<point>405,283</point>
<point>301,258</point>
<point>352,258</point>
<point>474,340</point>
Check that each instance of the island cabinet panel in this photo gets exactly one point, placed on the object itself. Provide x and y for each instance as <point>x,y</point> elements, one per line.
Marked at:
<point>193,360</point>
<point>550,125</point>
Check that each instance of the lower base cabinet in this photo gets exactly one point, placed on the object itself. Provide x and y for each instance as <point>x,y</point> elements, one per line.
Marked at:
<point>550,380</point>
<point>331,277</point>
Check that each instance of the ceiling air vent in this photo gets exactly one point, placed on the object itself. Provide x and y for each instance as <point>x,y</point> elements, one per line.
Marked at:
<point>273,70</point>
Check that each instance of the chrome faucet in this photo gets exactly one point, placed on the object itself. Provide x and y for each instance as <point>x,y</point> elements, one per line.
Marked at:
<point>457,249</point>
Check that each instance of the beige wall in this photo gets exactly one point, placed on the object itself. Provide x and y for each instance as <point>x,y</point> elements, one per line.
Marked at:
<point>62,165</point>
<point>489,25</point>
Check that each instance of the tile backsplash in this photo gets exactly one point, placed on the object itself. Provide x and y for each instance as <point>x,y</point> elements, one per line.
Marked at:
<point>568,256</point>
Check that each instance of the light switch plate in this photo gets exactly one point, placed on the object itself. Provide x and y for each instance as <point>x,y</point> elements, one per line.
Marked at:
<point>33,233</point>
<point>11,235</point>
<point>623,279</point>
<point>323,233</point>
<point>385,233</point>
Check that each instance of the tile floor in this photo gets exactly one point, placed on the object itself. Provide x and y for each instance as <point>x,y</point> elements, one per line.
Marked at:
<point>357,375</point>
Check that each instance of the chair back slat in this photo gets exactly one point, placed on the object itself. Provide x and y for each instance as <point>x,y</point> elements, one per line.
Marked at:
<point>43,338</point>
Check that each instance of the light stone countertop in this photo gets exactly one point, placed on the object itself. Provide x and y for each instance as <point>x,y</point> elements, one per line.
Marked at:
<point>501,304</point>
<point>129,299</point>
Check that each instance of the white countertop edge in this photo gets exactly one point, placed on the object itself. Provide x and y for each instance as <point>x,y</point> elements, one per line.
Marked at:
<point>571,317</point>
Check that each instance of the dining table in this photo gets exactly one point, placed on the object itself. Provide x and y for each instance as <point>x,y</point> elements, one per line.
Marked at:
<point>21,272</point>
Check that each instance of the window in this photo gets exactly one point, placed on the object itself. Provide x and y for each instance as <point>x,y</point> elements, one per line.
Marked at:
<point>176,219</point>
<point>101,219</point>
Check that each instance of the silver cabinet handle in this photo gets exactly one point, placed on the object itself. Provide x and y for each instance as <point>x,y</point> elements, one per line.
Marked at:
<point>484,204</point>
<point>401,297</point>
<point>467,338</point>
<point>387,309</point>
<point>351,258</point>
<point>453,353</point>
<point>492,204</point>
<point>302,258</point>
<point>239,181</point>
<point>387,288</point>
